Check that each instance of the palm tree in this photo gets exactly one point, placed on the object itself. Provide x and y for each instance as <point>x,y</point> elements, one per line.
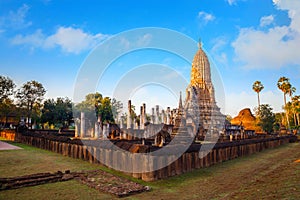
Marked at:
<point>258,87</point>
<point>296,108</point>
<point>285,86</point>
<point>291,91</point>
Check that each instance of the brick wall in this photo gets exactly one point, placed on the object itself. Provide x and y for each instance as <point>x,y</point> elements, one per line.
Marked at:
<point>187,162</point>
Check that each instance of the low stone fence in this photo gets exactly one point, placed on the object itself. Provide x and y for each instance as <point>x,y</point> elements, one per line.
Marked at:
<point>108,151</point>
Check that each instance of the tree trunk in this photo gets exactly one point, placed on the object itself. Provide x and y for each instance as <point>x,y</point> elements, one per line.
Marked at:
<point>258,100</point>
<point>284,98</point>
<point>286,113</point>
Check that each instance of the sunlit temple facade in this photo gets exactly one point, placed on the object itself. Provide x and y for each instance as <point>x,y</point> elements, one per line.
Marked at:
<point>200,104</point>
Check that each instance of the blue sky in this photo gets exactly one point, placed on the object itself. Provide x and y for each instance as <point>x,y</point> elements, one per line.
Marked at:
<point>247,40</point>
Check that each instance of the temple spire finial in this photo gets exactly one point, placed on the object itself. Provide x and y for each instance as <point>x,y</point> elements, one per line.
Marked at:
<point>200,43</point>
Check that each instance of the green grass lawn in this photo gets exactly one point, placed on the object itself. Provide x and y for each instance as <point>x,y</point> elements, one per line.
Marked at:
<point>271,174</point>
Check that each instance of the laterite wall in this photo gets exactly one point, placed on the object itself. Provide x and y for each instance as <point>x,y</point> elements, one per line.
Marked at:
<point>187,162</point>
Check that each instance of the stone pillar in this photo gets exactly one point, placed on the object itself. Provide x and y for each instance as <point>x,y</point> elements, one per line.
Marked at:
<point>82,124</point>
<point>97,127</point>
<point>155,140</point>
<point>77,127</point>
<point>135,125</point>
<point>163,118</point>
<point>157,121</point>
<point>124,135</point>
<point>129,115</point>
<point>100,132</point>
<point>104,131</point>
<point>142,118</point>
<point>100,127</point>
<point>144,114</point>
<point>168,115</point>
<point>152,116</point>
<point>121,123</point>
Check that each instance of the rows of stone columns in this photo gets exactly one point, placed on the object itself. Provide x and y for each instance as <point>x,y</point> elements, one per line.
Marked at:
<point>98,131</point>
<point>156,117</point>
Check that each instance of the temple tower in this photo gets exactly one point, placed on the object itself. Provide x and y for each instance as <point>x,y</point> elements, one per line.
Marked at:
<point>200,104</point>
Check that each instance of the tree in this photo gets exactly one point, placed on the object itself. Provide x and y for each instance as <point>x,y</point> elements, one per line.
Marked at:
<point>228,118</point>
<point>117,107</point>
<point>265,118</point>
<point>285,86</point>
<point>133,115</point>
<point>7,106</point>
<point>95,106</point>
<point>291,91</point>
<point>57,112</point>
<point>258,87</point>
<point>278,121</point>
<point>7,87</point>
<point>63,110</point>
<point>30,96</point>
<point>90,107</point>
<point>296,109</point>
<point>105,110</point>
<point>48,112</point>
<point>91,103</point>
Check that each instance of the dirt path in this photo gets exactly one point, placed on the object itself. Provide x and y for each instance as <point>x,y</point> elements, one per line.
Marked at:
<point>6,146</point>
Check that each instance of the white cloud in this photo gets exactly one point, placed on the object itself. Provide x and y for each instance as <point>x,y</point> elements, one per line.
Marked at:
<point>69,39</point>
<point>274,48</point>
<point>266,20</point>
<point>73,40</point>
<point>206,17</point>
<point>36,39</point>
<point>222,58</point>
<point>144,40</point>
<point>126,43</point>
<point>217,50</point>
<point>293,8</point>
<point>231,2</point>
<point>219,43</point>
<point>16,19</point>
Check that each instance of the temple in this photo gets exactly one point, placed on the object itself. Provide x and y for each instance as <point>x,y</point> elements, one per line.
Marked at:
<point>200,104</point>
<point>198,112</point>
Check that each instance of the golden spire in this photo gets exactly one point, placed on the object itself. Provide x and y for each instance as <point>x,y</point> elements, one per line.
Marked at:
<point>200,73</point>
<point>199,43</point>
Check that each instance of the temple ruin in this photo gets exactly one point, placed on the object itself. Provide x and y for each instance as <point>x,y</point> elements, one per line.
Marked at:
<point>199,111</point>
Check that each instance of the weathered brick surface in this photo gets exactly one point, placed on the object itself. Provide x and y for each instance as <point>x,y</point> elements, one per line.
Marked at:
<point>95,151</point>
